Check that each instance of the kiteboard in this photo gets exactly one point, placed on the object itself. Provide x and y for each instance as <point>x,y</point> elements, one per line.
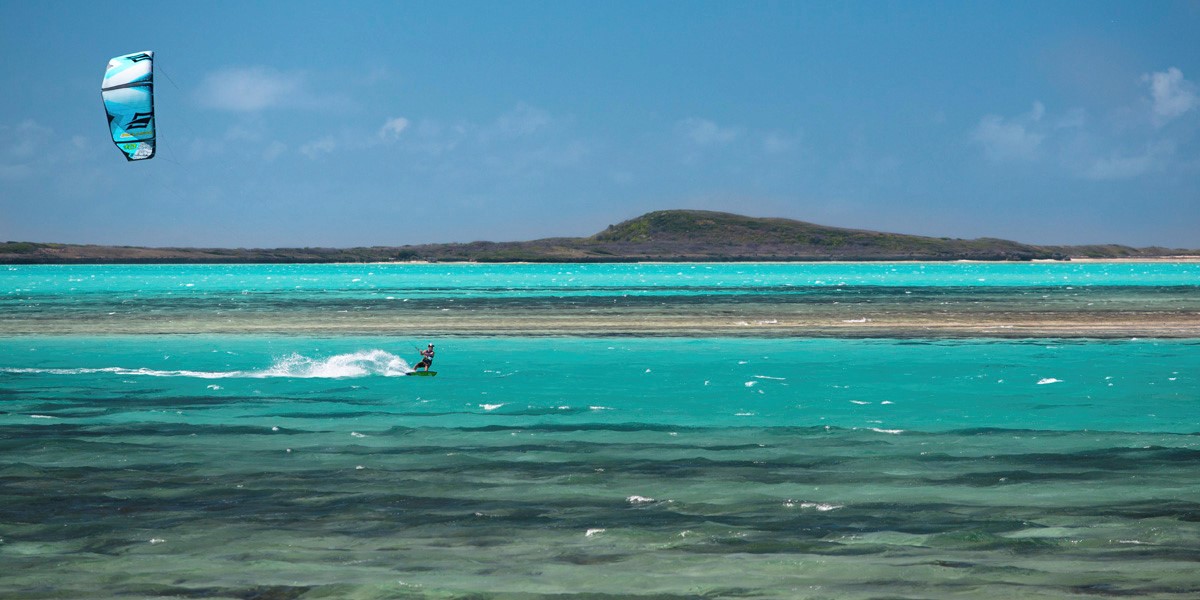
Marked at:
<point>423,373</point>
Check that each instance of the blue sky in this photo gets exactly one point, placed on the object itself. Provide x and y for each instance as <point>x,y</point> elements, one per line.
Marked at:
<point>386,123</point>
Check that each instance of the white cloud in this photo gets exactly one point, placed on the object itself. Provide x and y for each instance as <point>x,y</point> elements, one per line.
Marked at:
<point>318,147</point>
<point>392,128</point>
<point>1129,142</point>
<point>1127,166</point>
<point>1172,95</point>
<point>1011,139</point>
<point>434,138</point>
<point>249,89</point>
<point>706,133</point>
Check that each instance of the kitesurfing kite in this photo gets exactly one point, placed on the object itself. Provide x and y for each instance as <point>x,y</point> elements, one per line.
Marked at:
<point>128,92</point>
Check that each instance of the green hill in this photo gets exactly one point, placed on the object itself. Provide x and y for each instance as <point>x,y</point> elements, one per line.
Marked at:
<point>690,232</point>
<point>668,235</point>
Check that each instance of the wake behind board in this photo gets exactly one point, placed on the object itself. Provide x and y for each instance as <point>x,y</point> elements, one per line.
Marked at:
<point>423,373</point>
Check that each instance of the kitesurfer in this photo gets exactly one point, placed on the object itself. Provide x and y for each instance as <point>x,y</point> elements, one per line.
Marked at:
<point>426,359</point>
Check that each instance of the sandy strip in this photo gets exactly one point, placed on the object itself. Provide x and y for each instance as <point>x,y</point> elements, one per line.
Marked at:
<point>1126,325</point>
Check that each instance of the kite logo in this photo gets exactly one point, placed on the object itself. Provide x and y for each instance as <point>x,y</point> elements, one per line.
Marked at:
<point>139,121</point>
<point>139,57</point>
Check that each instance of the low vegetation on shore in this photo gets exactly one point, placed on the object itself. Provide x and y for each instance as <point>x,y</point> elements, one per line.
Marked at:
<point>669,235</point>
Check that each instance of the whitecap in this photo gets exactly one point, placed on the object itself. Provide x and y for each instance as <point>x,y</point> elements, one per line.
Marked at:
<point>592,532</point>
<point>639,500</point>
<point>891,431</point>
<point>1048,380</point>
<point>490,406</point>
<point>859,402</point>
<point>354,364</point>
<point>820,506</point>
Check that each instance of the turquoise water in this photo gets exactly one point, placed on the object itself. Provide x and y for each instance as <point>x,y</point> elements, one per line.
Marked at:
<point>1017,300</point>
<point>227,432</point>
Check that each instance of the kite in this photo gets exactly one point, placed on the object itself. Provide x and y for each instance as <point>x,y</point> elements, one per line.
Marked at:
<point>128,93</point>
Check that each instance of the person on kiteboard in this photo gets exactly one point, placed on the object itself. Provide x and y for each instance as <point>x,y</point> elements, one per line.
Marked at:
<point>426,359</point>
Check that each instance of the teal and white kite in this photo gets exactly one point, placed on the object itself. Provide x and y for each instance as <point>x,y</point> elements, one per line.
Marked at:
<point>128,92</point>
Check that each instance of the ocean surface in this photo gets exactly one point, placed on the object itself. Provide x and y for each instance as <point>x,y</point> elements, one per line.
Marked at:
<point>601,431</point>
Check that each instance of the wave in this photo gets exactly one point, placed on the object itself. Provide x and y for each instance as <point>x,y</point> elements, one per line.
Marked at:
<point>364,363</point>
<point>357,364</point>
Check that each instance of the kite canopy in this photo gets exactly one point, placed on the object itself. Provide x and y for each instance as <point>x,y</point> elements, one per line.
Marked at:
<point>128,92</point>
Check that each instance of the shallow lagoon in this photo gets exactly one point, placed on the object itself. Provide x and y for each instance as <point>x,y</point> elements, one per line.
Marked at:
<point>294,464</point>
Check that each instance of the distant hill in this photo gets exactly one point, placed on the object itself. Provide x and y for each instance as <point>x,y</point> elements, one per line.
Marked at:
<point>668,235</point>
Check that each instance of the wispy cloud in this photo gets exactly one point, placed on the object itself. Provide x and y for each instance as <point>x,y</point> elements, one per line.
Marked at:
<point>1172,95</point>
<point>249,89</point>
<point>1125,166</point>
<point>704,132</point>
<point>392,128</point>
<point>1012,138</point>
<point>318,147</point>
<point>1131,142</point>
<point>29,148</point>
<point>274,150</point>
<point>776,143</point>
<point>433,138</point>
<point>522,121</point>
<point>25,139</point>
